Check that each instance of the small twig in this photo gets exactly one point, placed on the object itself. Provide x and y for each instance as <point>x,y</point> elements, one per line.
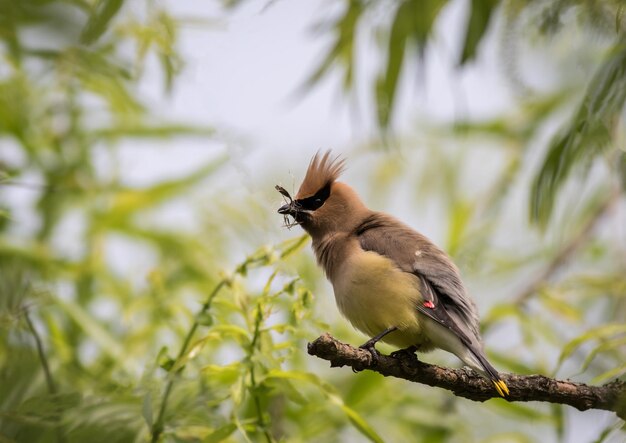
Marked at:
<point>52,389</point>
<point>157,427</point>
<point>42,355</point>
<point>468,384</point>
<point>253,384</point>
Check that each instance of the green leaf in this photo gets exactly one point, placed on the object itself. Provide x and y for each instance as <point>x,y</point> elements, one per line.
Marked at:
<point>237,332</point>
<point>341,54</point>
<point>192,352</point>
<point>608,431</point>
<point>146,409</point>
<point>498,313</point>
<point>237,391</point>
<point>510,436</point>
<point>297,376</point>
<point>559,307</point>
<point>94,329</point>
<point>204,319</point>
<point>356,419</point>
<point>558,415</point>
<point>226,374</point>
<point>125,129</point>
<point>606,346</point>
<point>167,364</point>
<point>49,405</point>
<point>290,287</point>
<point>282,381</point>
<point>601,332</point>
<point>127,202</point>
<point>363,387</point>
<point>329,391</point>
<point>520,411</point>
<point>114,91</point>
<point>585,137</point>
<point>413,22</point>
<point>387,84</point>
<point>458,225</point>
<point>292,246</point>
<point>477,24</point>
<point>220,434</point>
<point>98,22</point>
<point>613,373</point>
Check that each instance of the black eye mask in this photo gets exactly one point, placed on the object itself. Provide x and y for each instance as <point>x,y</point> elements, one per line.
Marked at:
<point>315,201</point>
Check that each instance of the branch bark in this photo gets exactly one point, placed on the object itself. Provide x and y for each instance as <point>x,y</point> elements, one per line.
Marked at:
<point>468,384</point>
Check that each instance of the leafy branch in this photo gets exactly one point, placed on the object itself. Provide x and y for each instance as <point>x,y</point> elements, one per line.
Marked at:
<point>262,257</point>
<point>468,384</point>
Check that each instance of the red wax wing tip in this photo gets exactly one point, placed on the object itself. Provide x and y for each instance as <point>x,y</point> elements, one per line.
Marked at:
<point>429,304</point>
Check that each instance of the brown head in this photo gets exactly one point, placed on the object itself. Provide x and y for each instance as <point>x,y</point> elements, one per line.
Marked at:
<point>323,205</point>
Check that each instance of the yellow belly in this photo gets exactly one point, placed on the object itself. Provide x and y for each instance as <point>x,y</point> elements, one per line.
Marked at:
<point>374,295</point>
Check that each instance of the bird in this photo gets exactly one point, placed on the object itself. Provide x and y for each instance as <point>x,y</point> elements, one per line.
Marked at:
<point>390,282</point>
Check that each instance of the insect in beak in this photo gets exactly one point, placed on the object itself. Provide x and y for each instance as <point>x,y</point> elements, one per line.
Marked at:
<point>288,208</point>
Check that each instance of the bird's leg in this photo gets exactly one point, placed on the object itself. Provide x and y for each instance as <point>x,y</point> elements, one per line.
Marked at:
<point>370,345</point>
<point>406,352</point>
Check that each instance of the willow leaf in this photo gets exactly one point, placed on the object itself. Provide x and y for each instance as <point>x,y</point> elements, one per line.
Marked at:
<point>99,20</point>
<point>601,332</point>
<point>585,136</point>
<point>477,24</point>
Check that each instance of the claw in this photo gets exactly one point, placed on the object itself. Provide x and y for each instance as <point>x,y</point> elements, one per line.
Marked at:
<point>370,346</point>
<point>408,353</point>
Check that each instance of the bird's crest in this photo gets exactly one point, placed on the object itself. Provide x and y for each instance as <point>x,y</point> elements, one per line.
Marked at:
<point>322,170</point>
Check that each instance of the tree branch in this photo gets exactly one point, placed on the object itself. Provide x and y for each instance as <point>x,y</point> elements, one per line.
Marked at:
<point>468,384</point>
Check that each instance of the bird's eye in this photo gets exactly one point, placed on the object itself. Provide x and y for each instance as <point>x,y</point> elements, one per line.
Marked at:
<point>315,201</point>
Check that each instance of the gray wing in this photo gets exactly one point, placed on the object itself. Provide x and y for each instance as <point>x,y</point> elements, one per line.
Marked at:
<point>440,279</point>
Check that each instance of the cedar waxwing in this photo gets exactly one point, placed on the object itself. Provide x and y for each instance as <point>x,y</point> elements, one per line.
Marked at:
<point>390,282</point>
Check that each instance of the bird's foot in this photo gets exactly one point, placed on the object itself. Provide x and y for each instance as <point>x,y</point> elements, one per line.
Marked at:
<point>406,353</point>
<point>370,346</point>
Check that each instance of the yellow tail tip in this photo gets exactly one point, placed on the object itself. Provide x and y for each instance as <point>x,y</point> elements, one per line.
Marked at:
<point>501,387</point>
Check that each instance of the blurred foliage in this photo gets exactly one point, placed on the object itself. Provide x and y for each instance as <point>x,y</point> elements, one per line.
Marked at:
<point>408,26</point>
<point>116,327</point>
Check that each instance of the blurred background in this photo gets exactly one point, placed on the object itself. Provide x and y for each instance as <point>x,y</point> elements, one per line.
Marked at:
<point>148,290</point>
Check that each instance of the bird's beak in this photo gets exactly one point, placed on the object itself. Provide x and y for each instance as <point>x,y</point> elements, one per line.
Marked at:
<point>287,209</point>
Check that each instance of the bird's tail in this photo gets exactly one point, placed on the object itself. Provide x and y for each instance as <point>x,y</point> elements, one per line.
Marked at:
<point>485,368</point>
<point>501,387</point>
